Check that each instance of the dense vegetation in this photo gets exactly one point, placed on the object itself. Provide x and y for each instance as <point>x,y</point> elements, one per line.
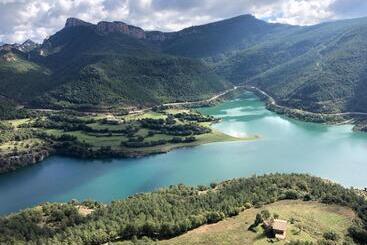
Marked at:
<point>319,68</point>
<point>9,110</point>
<point>30,140</point>
<point>215,39</point>
<point>170,212</point>
<point>309,222</point>
<point>80,68</point>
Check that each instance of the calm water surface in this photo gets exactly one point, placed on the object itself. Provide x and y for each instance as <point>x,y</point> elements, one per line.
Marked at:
<point>286,145</point>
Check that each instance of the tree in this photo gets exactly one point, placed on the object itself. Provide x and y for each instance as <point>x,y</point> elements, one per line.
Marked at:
<point>331,235</point>
<point>265,214</point>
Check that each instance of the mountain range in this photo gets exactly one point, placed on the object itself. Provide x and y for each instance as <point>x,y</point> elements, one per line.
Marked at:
<point>320,68</point>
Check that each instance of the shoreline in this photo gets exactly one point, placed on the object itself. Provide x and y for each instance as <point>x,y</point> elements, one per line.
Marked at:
<point>29,158</point>
<point>309,190</point>
<point>341,118</point>
<point>11,162</point>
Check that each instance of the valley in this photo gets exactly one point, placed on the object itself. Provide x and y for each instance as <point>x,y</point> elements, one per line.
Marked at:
<point>246,117</point>
<point>212,134</point>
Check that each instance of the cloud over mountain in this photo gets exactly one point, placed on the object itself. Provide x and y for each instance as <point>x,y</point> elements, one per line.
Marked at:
<point>36,19</point>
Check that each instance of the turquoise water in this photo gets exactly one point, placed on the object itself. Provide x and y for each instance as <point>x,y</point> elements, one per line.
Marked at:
<point>286,145</point>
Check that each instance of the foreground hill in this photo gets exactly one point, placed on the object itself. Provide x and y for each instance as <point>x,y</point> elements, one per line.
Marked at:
<point>167,213</point>
<point>308,221</point>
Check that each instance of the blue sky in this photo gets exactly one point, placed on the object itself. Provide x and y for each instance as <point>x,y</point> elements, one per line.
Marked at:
<point>37,19</point>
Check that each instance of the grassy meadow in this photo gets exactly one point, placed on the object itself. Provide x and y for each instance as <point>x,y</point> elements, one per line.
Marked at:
<point>307,221</point>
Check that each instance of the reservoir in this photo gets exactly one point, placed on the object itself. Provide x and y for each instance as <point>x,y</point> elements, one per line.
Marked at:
<point>285,146</point>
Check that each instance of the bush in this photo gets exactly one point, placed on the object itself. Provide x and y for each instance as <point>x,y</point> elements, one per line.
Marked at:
<point>213,185</point>
<point>331,235</point>
<point>291,194</point>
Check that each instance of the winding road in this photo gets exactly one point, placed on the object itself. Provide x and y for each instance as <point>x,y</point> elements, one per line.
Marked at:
<point>188,103</point>
<point>273,102</point>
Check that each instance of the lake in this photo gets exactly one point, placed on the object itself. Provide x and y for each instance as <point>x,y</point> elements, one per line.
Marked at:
<point>285,146</point>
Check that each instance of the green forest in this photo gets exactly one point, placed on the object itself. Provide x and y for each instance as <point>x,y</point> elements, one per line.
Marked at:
<point>172,211</point>
<point>319,68</point>
<point>40,134</point>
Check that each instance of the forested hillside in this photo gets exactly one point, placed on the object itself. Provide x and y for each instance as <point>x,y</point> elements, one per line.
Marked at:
<point>80,66</point>
<point>320,68</point>
<point>218,38</point>
<point>170,212</point>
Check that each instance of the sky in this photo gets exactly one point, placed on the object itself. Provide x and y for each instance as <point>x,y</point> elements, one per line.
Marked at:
<point>37,19</point>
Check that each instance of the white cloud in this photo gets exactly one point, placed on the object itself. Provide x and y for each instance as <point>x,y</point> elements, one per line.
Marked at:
<point>36,19</point>
<point>305,12</point>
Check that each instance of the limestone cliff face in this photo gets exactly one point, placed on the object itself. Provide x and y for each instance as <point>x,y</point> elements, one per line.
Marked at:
<point>108,27</point>
<point>105,27</point>
<point>73,22</point>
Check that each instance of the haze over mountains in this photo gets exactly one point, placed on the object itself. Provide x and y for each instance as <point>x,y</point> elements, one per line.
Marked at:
<point>319,68</point>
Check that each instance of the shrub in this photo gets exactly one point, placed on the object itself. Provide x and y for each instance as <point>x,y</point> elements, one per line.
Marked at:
<point>331,235</point>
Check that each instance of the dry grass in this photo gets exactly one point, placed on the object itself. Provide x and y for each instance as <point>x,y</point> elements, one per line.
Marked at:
<point>309,221</point>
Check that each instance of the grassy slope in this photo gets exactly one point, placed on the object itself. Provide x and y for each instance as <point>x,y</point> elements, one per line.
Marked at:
<point>315,219</point>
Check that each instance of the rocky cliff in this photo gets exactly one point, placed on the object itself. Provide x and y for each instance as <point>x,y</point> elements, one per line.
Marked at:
<point>108,27</point>
<point>73,22</point>
<point>105,27</point>
<point>13,162</point>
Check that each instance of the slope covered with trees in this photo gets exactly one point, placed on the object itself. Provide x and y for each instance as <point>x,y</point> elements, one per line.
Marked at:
<point>320,68</point>
<point>170,212</point>
<point>81,66</point>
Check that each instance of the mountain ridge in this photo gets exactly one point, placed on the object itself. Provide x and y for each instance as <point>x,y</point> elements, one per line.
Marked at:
<point>317,68</point>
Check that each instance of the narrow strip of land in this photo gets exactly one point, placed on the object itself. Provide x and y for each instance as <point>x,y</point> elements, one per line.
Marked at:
<point>190,103</point>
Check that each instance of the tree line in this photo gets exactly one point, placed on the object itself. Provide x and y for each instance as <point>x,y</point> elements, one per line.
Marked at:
<point>172,211</point>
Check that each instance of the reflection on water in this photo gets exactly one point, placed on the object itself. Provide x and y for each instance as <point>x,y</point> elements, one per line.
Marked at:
<point>286,145</point>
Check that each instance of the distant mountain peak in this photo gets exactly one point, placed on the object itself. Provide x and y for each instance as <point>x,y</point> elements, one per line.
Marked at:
<point>28,42</point>
<point>26,46</point>
<point>73,22</point>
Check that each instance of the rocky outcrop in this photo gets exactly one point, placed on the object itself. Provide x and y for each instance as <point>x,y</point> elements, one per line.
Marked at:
<point>9,57</point>
<point>28,46</point>
<point>25,47</point>
<point>73,22</point>
<point>13,162</point>
<point>108,27</point>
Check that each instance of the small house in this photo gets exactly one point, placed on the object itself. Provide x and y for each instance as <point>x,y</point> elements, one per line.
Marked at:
<point>279,228</point>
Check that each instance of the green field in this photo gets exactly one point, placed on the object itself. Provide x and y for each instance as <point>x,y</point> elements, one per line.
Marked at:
<point>310,221</point>
<point>107,135</point>
<point>98,140</point>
